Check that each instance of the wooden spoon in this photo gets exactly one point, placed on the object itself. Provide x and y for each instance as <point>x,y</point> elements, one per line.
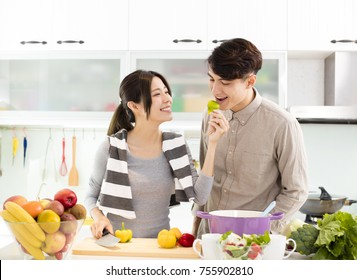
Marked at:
<point>73,173</point>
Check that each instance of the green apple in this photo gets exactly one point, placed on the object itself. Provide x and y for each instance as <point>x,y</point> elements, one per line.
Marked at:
<point>212,105</point>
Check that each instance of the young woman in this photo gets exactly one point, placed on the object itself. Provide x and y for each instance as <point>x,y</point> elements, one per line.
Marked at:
<point>139,169</point>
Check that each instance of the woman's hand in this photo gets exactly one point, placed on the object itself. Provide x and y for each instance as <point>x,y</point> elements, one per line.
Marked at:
<point>218,125</point>
<point>99,224</point>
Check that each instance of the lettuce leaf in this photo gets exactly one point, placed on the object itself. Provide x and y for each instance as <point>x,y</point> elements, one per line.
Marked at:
<point>337,237</point>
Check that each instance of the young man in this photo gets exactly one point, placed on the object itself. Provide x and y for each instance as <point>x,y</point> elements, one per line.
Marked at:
<point>262,156</point>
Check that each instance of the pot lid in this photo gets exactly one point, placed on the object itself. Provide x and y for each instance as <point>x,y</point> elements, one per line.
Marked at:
<point>324,195</point>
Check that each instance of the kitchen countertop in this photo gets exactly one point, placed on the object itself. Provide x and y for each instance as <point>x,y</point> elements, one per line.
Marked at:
<point>9,250</point>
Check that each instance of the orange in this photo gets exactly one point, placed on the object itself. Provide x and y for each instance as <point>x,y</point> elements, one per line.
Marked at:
<point>177,232</point>
<point>166,239</point>
<point>49,221</point>
<point>34,208</point>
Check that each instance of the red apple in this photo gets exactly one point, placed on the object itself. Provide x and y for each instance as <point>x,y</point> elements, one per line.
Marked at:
<point>55,206</point>
<point>70,238</point>
<point>68,223</point>
<point>18,199</point>
<point>59,255</point>
<point>67,197</point>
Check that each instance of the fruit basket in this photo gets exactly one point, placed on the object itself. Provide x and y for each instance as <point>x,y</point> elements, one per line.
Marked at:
<point>44,229</point>
<point>35,243</point>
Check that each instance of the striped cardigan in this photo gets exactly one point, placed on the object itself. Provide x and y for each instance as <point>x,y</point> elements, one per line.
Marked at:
<point>115,195</point>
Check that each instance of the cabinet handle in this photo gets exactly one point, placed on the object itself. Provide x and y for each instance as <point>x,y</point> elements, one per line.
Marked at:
<point>70,42</point>
<point>219,41</point>
<point>187,41</point>
<point>343,41</point>
<point>33,42</point>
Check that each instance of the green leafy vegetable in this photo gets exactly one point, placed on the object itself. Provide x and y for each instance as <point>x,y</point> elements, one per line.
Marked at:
<point>305,238</point>
<point>334,238</point>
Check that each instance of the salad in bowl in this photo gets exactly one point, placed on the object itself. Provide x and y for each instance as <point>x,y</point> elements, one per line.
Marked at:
<point>245,247</point>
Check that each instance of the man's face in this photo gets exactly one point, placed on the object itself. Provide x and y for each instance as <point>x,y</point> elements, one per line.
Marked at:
<point>231,94</point>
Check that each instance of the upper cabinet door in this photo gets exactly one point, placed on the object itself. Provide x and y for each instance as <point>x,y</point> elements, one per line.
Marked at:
<point>90,24</point>
<point>314,24</point>
<point>167,25</point>
<point>261,22</point>
<point>63,25</point>
<point>25,25</point>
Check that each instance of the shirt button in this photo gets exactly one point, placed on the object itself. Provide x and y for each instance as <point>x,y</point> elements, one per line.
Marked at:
<point>230,152</point>
<point>233,131</point>
<point>243,122</point>
<point>229,172</point>
<point>225,190</point>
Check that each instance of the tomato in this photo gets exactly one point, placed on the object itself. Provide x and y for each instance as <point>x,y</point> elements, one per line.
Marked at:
<point>186,240</point>
<point>34,208</point>
<point>256,248</point>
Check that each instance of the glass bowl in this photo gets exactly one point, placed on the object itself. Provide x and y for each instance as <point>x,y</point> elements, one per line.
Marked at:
<point>239,252</point>
<point>45,241</point>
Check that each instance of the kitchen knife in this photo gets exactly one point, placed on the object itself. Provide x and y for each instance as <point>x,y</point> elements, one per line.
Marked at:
<point>107,239</point>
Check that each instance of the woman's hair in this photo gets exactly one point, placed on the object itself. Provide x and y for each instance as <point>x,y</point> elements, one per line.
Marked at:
<point>135,87</point>
<point>235,59</point>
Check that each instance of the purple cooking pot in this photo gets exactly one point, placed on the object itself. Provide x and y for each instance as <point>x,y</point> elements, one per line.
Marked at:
<point>239,221</point>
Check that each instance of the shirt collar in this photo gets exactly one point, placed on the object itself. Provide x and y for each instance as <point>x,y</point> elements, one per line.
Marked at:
<point>244,115</point>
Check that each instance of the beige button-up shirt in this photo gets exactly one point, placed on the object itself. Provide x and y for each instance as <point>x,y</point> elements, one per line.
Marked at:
<point>260,159</point>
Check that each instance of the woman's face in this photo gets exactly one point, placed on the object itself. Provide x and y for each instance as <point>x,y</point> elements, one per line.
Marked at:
<point>231,94</point>
<point>161,107</point>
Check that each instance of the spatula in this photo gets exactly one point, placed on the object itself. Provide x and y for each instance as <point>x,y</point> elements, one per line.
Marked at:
<point>73,173</point>
<point>107,239</point>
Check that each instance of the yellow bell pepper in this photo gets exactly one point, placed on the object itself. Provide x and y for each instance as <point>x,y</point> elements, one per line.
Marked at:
<point>166,239</point>
<point>124,234</point>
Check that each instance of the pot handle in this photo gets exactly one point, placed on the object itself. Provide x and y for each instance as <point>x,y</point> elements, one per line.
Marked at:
<point>203,215</point>
<point>348,202</point>
<point>276,216</point>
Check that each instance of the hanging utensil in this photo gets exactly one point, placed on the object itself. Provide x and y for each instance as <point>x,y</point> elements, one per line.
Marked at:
<point>25,148</point>
<point>45,165</point>
<point>15,145</point>
<point>0,154</point>
<point>73,173</point>
<point>63,167</point>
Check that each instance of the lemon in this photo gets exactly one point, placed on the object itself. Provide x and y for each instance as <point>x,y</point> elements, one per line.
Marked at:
<point>166,239</point>
<point>49,221</point>
<point>177,232</point>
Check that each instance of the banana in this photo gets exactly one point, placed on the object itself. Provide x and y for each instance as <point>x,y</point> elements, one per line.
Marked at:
<point>21,229</point>
<point>22,216</point>
<point>33,251</point>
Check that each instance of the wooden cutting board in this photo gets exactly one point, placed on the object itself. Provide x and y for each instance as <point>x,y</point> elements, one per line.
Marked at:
<point>137,247</point>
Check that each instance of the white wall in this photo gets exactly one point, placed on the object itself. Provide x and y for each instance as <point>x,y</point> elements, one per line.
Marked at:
<point>332,156</point>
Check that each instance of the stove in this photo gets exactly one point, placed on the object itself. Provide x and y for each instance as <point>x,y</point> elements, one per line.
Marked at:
<point>312,219</point>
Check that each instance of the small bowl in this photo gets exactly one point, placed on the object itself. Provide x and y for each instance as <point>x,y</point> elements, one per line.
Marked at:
<point>59,238</point>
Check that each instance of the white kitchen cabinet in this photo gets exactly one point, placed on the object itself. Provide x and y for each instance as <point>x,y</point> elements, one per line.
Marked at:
<point>25,21</point>
<point>314,24</point>
<point>203,24</point>
<point>167,25</point>
<point>261,22</point>
<point>63,25</point>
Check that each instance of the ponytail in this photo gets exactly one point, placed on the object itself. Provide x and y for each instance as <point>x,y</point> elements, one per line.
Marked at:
<point>121,119</point>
